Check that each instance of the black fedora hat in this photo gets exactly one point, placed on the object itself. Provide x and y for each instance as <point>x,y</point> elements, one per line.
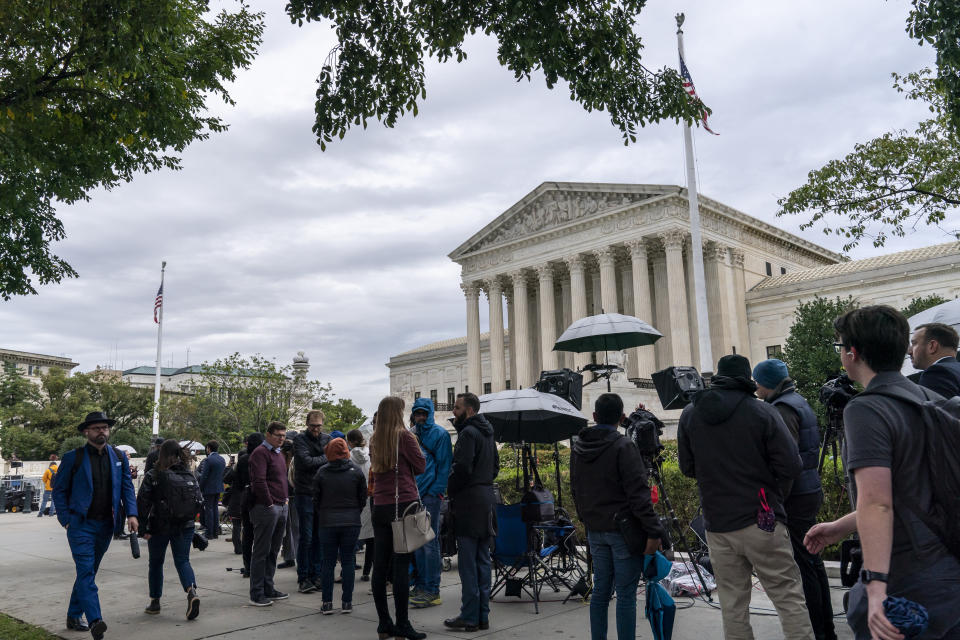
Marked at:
<point>94,417</point>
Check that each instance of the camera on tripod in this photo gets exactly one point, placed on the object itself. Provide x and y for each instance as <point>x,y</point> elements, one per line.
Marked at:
<point>836,393</point>
<point>644,430</point>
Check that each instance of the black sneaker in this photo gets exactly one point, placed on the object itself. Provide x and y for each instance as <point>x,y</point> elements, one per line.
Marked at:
<point>326,608</point>
<point>460,624</point>
<point>484,625</point>
<point>306,587</point>
<point>193,604</point>
<point>286,564</point>
<point>154,607</point>
<point>318,585</point>
<point>278,595</point>
<point>260,602</point>
<point>97,629</point>
<point>346,607</point>
<point>365,578</point>
<point>77,624</point>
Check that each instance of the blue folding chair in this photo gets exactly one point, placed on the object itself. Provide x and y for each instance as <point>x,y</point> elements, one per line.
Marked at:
<point>515,560</point>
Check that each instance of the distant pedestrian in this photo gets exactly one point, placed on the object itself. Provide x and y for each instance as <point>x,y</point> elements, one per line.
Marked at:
<point>933,348</point>
<point>396,461</point>
<point>252,441</point>
<point>308,457</point>
<point>152,454</point>
<point>168,500</point>
<point>211,484</point>
<point>291,533</point>
<point>339,493</point>
<point>48,476</point>
<point>268,484</point>
<point>472,474</point>
<point>360,454</point>
<point>92,484</point>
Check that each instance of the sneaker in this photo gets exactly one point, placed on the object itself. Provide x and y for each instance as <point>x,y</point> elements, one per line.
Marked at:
<point>307,587</point>
<point>260,602</point>
<point>346,607</point>
<point>154,607</point>
<point>425,600</point>
<point>326,608</point>
<point>278,595</point>
<point>287,564</point>
<point>97,629</point>
<point>365,577</point>
<point>318,585</point>
<point>193,604</point>
<point>484,625</point>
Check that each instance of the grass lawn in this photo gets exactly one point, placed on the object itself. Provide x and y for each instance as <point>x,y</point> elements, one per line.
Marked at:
<point>12,629</point>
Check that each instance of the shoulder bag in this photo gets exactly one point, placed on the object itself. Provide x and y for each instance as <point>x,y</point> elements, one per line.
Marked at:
<point>412,530</point>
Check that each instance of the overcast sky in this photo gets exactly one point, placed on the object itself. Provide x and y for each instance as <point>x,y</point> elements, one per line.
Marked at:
<point>273,246</point>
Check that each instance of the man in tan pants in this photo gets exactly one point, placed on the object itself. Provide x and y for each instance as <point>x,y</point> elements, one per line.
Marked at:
<point>741,453</point>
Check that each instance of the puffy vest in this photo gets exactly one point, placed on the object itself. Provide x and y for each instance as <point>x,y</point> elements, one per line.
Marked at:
<point>809,443</point>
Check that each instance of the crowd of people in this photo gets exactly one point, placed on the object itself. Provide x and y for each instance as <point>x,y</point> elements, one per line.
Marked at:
<point>750,441</point>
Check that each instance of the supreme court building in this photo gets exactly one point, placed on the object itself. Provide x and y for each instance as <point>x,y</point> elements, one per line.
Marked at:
<point>569,250</point>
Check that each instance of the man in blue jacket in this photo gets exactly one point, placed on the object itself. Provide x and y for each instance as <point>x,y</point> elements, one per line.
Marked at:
<point>432,484</point>
<point>92,485</point>
<point>211,485</point>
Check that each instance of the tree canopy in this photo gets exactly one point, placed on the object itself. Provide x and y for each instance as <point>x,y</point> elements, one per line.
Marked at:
<point>901,180</point>
<point>377,68</point>
<point>93,92</point>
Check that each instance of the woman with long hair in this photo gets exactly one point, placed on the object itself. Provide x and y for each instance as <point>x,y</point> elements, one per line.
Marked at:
<point>396,460</point>
<point>168,502</point>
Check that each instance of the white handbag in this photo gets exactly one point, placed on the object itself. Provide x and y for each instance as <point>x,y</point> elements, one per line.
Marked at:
<point>412,530</point>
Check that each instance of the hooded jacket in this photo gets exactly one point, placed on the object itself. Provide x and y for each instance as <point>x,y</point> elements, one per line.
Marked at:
<point>339,493</point>
<point>802,424</point>
<point>435,444</point>
<point>476,464</point>
<point>607,476</point>
<point>308,457</point>
<point>735,445</point>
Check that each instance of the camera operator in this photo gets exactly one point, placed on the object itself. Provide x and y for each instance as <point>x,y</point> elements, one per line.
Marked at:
<point>891,483</point>
<point>740,452</point>
<point>805,496</point>
<point>607,477</point>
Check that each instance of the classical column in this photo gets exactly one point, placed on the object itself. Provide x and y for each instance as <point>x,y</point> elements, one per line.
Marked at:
<point>498,376</point>
<point>578,301</point>
<point>718,302</point>
<point>566,319</point>
<point>645,357</point>
<point>548,317</point>
<point>522,334</point>
<point>740,300</point>
<point>472,291</point>
<point>608,279</point>
<point>625,273</point>
<point>596,291</point>
<point>661,297</point>
<point>677,291</point>
<point>512,320</point>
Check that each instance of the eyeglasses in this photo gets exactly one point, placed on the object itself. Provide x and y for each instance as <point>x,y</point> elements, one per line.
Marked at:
<point>103,428</point>
<point>837,345</point>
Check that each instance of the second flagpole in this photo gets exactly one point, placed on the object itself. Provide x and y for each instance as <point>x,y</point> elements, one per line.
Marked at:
<point>156,384</point>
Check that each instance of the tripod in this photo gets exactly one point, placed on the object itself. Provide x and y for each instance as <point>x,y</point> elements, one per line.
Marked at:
<point>655,467</point>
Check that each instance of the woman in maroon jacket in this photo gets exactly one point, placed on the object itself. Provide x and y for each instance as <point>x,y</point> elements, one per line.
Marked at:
<point>396,460</point>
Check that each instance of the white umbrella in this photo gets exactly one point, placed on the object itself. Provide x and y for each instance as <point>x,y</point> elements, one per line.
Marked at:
<point>528,415</point>
<point>192,445</point>
<point>127,449</point>
<point>946,313</point>
<point>606,332</point>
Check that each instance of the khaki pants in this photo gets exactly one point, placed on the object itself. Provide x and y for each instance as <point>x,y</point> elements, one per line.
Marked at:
<point>734,555</point>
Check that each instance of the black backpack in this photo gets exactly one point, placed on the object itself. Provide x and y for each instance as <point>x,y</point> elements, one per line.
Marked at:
<point>941,452</point>
<point>178,495</point>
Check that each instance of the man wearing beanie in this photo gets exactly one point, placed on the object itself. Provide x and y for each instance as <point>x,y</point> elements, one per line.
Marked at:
<point>805,496</point>
<point>741,453</point>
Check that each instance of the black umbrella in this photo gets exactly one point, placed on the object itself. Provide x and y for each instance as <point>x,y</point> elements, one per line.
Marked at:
<point>528,415</point>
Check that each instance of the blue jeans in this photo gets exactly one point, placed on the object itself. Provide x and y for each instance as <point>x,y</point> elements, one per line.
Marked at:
<point>613,566</point>
<point>427,557</point>
<point>89,540</point>
<point>180,543</point>
<point>48,495</point>
<point>211,515</point>
<point>309,550</point>
<point>338,542</point>
<point>473,564</point>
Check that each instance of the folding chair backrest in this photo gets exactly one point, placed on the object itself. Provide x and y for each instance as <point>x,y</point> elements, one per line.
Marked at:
<point>511,540</point>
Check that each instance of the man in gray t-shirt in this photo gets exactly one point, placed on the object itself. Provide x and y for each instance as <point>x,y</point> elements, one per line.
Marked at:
<point>884,456</point>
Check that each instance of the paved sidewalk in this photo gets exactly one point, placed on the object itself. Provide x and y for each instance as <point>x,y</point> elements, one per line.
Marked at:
<point>37,575</point>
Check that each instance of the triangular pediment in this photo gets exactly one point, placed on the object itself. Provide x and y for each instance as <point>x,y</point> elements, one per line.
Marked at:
<point>557,204</point>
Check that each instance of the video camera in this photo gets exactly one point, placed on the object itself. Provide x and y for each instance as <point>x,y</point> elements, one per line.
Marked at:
<point>835,394</point>
<point>644,430</point>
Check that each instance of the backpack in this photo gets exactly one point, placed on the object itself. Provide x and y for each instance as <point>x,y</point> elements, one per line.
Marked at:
<point>941,452</point>
<point>178,495</point>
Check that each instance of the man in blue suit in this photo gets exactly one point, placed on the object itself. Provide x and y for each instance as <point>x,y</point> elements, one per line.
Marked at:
<point>211,485</point>
<point>933,348</point>
<point>92,485</point>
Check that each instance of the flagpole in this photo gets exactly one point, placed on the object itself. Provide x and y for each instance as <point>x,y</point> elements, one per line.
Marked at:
<point>699,281</point>
<point>156,383</point>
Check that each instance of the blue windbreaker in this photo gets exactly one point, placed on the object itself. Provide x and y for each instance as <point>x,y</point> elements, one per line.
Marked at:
<point>435,444</point>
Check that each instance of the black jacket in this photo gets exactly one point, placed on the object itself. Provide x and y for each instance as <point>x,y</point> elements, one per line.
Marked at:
<point>607,476</point>
<point>308,457</point>
<point>735,445</point>
<point>147,498</point>
<point>339,493</point>
<point>476,464</point>
<point>942,377</point>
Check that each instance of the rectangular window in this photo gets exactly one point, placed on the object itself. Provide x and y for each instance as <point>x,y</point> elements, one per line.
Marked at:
<point>29,369</point>
<point>433,396</point>
<point>783,271</point>
<point>775,351</point>
<point>769,269</point>
<point>466,388</point>
<point>416,395</point>
<point>508,384</point>
<point>451,395</point>
<point>487,387</point>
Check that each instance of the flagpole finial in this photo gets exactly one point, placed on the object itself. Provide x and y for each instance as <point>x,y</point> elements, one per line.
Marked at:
<point>680,18</point>
<point>163,265</point>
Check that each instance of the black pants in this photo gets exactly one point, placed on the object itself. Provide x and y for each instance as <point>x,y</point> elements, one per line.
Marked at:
<point>801,515</point>
<point>247,538</point>
<point>237,536</point>
<point>368,550</point>
<point>386,560</point>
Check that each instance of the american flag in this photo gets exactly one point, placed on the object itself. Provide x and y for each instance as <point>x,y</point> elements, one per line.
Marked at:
<point>692,92</point>
<point>158,304</point>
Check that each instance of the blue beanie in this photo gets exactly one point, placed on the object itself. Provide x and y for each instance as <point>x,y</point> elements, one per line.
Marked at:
<point>770,373</point>
<point>336,434</point>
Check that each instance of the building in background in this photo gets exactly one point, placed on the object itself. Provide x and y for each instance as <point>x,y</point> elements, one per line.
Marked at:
<point>32,365</point>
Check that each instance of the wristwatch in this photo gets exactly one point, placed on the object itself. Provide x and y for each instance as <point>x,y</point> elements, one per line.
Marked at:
<point>869,576</point>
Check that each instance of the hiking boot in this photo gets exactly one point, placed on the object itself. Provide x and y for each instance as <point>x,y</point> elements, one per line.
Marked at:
<point>425,600</point>
<point>307,587</point>
<point>193,604</point>
<point>326,608</point>
<point>154,607</point>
